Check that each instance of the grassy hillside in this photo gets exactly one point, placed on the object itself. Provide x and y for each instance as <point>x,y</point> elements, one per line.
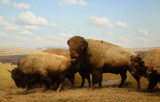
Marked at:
<point>5,51</point>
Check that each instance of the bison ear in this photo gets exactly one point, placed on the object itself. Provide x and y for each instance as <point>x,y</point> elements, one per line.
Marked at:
<point>9,71</point>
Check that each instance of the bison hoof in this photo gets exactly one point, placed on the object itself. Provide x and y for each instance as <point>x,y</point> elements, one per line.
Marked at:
<point>120,86</point>
<point>44,90</point>
<point>93,87</point>
<point>81,86</point>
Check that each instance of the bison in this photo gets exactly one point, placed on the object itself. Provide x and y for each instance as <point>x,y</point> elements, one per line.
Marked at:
<point>44,68</point>
<point>97,57</point>
<point>148,66</point>
<point>137,68</point>
<point>66,53</point>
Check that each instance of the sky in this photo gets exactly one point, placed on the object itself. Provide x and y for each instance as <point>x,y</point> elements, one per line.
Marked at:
<point>50,23</point>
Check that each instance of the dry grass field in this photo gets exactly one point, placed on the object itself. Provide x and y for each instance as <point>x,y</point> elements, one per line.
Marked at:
<point>5,51</point>
<point>108,93</point>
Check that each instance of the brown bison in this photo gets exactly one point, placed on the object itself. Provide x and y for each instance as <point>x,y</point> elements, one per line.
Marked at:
<point>148,66</point>
<point>44,68</point>
<point>97,57</point>
<point>66,53</point>
<point>137,68</point>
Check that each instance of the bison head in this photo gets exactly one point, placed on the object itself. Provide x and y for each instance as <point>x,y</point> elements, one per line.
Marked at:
<point>19,77</point>
<point>77,47</point>
<point>137,66</point>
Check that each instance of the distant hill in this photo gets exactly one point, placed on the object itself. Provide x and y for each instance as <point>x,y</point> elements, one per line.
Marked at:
<point>13,50</point>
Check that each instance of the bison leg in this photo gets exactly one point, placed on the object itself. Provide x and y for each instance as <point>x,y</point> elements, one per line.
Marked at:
<point>88,78</point>
<point>27,89</point>
<point>100,82</point>
<point>62,78</point>
<point>96,78</point>
<point>137,78</point>
<point>47,82</point>
<point>152,84</point>
<point>72,82</point>
<point>83,78</point>
<point>123,77</point>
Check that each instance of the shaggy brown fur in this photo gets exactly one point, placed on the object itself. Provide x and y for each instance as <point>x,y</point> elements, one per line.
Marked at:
<point>148,66</point>
<point>66,53</point>
<point>152,62</point>
<point>43,68</point>
<point>97,57</point>
<point>62,52</point>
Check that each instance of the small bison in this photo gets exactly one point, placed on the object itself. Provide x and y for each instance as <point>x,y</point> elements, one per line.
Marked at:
<point>148,66</point>
<point>44,68</point>
<point>97,57</point>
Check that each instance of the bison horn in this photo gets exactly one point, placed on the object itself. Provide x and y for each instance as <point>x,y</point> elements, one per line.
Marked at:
<point>73,60</point>
<point>9,71</point>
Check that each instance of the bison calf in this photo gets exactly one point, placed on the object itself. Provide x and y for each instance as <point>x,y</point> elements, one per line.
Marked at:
<point>44,68</point>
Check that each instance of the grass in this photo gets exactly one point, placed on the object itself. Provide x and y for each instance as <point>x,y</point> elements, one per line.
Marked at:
<point>5,76</point>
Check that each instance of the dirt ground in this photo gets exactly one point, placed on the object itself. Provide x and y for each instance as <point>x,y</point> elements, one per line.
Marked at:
<point>105,94</point>
<point>110,92</point>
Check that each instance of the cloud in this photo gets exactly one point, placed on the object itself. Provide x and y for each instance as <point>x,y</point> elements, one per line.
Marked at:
<point>3,22</point>
<point>15,4</point>
<point>108,33</point>
<point>21,5</point>
<point>96,21</point>
<point>121,24</point>
<point>53,24</point>
<point>74,2</point>
<point>142,32</point>
<point>3,35</point>
<point>83,3</point>
<point>66,35</point>
<point>32,27</point>
<point>7,26</point>
<point>28,18</point>
<point>52,37</point>
<point>12,27</point>
<point>26,32</point>
<point>8,2</point>
<point>124,39</point>
<point>19,38</point>
<point>146,41</point>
